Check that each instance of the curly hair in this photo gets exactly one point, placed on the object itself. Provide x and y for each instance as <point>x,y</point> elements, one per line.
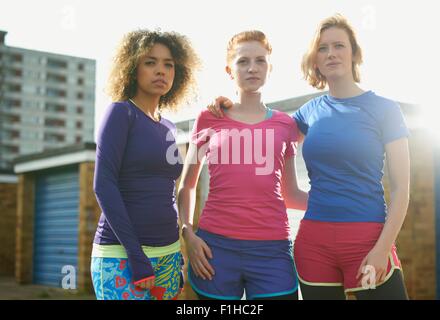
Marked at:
<point>310,72</point>
<point>122,84</point>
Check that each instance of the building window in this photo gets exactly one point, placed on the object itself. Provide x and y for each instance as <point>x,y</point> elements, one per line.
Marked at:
<point>54,137</point>
<point>78,139</point>
<point>54,107</point>
<point>80,81</point>
<point>79,125</point>
<point>16,57</point>
<point>55,78</point>
<point>79,110</point>
<point>13,149</point>
<point>53,63</point>
<point>54,122</point>
<point>51,92</point>
<point>80,67</point>
<point>80,95</point>
<point>13,118</point>
<point>13,103</point>
<point>14,88</point>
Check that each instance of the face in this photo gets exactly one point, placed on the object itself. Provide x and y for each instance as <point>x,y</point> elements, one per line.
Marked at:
<point>334,55</point>
<point>249,66</point>
<point>155,71</point>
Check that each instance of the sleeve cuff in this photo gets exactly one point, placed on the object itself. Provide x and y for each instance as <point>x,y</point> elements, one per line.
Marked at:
<point>143,280</point>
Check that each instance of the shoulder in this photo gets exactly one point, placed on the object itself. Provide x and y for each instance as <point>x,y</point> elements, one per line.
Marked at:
<point>120,108</point>
<point>205,115</point>
<point>311,104</point>
<point>283,117</point>
<point>206,119</point>
<point>383,108</point>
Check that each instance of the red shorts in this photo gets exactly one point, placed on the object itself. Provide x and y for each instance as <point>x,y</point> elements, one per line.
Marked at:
<point>330,253</point>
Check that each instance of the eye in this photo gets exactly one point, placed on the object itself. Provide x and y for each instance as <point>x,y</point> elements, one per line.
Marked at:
<point>169,65</point>
<point>339,45</point>
<point>149,63</point>
<point>322,49</point>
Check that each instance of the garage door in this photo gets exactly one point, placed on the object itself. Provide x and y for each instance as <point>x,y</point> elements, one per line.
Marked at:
<point>56,226</point>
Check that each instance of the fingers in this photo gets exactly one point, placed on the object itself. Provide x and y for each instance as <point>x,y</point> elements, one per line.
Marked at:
<point>147,284</point>
<point>199,262</point>
<point>214,108</point>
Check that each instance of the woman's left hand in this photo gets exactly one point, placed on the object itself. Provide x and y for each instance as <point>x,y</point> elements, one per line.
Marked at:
<point>373,268</point>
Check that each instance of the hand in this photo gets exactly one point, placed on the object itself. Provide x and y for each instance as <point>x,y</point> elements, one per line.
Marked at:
<point>198,252</point>
<point>215,106</point>
<point>146,283</point>
<point>373,268</point>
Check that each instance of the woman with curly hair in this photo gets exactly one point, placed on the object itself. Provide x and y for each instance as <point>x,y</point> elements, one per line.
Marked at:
<point>136,250</point>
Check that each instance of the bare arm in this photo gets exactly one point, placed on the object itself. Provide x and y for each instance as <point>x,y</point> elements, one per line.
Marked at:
<point>397,155</point>
<point>198,250</point>
<point>294,197</point>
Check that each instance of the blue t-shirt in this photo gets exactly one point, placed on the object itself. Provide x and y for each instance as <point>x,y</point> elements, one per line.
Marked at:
<point>344,152</point>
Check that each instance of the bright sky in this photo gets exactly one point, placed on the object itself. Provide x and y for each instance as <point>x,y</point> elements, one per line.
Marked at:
<point>397,37</point>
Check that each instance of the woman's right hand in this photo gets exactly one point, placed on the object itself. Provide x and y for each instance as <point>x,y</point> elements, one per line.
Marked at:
<point>215,106</point>
<point>199,252</point>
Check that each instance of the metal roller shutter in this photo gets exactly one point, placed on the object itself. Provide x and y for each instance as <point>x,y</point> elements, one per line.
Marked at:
<point>56,225</point>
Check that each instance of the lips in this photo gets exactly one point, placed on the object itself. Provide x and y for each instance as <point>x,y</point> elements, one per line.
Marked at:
<point>332,64</point>
<point>160,82</point>
<point>252,78</point>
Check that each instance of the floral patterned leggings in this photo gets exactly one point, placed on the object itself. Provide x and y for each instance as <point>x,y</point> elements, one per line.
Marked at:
<point>112,279</point>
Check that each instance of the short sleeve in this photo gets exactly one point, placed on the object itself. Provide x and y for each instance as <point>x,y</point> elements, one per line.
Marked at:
<point>292,142</point>
<point>394,126</point>
<point>301,118</point>
<point>201,131</point>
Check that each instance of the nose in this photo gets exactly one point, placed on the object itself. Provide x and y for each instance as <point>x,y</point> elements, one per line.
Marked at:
<point>160,69</point>
<point>330,53</point>
<point>252,67</point>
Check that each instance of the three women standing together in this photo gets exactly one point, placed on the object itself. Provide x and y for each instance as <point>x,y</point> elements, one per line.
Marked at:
<point>346,240</point>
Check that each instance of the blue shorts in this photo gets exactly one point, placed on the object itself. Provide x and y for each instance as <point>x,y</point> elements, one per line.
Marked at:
<point>111,279</point>
<point>262,269</point>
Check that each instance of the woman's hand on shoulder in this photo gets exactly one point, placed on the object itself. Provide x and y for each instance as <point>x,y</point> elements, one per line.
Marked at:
<point>215,107</point>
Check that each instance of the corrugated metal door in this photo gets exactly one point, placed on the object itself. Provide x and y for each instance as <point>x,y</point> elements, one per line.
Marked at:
<point>56,226</point>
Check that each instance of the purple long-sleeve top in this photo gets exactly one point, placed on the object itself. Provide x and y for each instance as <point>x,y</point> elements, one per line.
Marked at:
<point>137,164</point>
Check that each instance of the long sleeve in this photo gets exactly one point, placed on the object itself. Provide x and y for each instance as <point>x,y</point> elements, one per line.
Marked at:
<point>111,142</point>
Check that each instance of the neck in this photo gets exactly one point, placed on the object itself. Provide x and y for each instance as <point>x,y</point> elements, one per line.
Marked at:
<point>250,101</point>
<point>344,88</point>
<point>149,104</point>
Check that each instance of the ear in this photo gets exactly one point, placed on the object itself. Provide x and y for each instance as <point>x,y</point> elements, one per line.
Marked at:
<point>229,71</point>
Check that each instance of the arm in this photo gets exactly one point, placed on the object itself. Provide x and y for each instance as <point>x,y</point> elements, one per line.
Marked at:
<point>111,142</point>
<point>294,197</point>
<point>198,250</point>
<point>397,155</point>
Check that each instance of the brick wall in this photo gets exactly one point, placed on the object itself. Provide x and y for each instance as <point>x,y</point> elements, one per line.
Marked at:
<point>25,229</point>
<point>8,218</point>
<point>89,212</point>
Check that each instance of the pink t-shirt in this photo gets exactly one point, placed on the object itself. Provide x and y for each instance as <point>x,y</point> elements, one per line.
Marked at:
<point>245,163</point>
